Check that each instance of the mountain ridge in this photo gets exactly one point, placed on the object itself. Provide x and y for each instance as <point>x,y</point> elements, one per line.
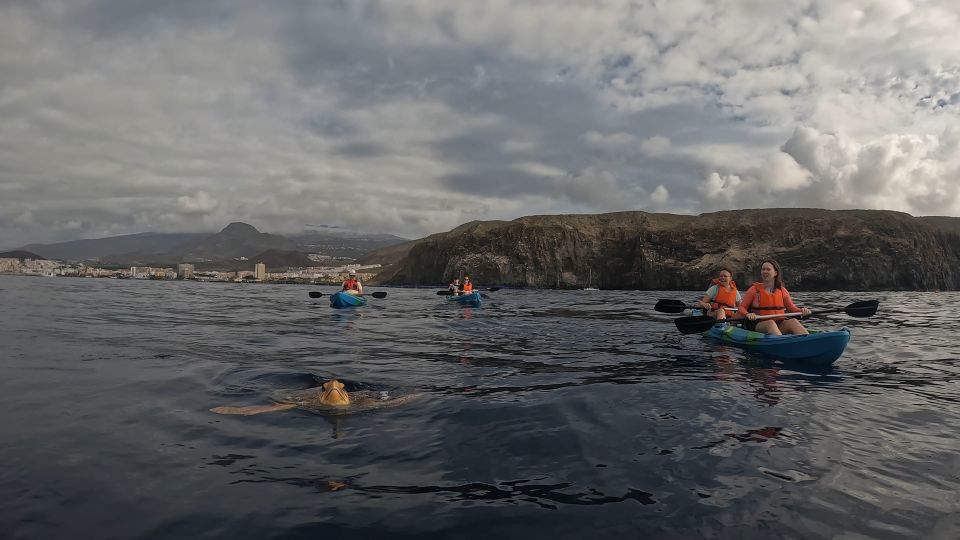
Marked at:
<point>236,240</point>
<point>818,249</point>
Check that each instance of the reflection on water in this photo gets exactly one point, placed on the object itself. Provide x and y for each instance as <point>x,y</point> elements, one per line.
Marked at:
<point>544,414</point>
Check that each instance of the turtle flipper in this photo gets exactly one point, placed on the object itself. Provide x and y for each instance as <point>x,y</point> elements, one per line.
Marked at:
<point>253,409</point>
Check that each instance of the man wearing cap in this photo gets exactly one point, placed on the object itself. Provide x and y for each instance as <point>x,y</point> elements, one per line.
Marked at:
<point>352,284</point>
<point>467,285</point>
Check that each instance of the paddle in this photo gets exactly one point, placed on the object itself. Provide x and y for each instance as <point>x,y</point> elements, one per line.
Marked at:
<point>702,323</point>
<point>378,294</point>
<point>448,293</point>
<point>673,306</point>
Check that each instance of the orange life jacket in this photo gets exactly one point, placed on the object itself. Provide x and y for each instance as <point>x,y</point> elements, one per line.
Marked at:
<point>467,287</point>
<point>351,285</point>
<point>727,299</point>
<point>767,303</point>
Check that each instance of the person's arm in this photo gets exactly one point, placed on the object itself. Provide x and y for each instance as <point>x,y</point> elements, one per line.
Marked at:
<point>791,307</point>
<point>745,302</point>
<point>359,287</point>
<point>708,297</point>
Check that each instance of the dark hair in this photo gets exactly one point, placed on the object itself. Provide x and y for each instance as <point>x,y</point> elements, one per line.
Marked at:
<point>724,268</point>
<point>777,282</point>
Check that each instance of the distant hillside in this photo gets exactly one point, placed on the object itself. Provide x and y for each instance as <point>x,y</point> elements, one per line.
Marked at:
<point>278,260</point>
<point>20,254</point>
<point>142,243</point>
<point>390,254</point>
<point>235,241</point>
<point>344,243</point>
<point>819,250</point>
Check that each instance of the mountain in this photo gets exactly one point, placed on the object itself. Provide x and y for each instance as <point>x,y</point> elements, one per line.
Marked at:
<point>235,240</point>
<point>276,259</point>
<point>142,243</point>
<point>344,243</point>
<point>818,249</point>
<point>20,254</point>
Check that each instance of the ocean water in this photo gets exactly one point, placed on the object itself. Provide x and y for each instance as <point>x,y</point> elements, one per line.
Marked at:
<point>542,414</point>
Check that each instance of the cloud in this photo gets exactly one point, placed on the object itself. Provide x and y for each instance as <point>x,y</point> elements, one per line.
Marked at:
<point>414,117</point>
<point>655,146</point>
<point>201,203</point>
<point>660,195</point>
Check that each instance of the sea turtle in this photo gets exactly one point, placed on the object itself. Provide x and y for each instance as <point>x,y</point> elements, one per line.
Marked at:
<point>331,399</point>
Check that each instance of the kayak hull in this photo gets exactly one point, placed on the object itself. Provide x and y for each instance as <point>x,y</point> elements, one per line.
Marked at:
<point>341,300</point>
<point>815,349</point>
<point>471,299</point>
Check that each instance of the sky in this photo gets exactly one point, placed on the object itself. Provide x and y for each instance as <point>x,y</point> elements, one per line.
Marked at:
<point>412,117</point>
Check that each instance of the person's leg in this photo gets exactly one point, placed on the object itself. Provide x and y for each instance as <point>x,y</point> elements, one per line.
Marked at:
<point>792,326</point>
<point>768,327</point>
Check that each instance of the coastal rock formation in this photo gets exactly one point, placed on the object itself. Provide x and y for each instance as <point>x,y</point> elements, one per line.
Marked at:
<point>818,249</point>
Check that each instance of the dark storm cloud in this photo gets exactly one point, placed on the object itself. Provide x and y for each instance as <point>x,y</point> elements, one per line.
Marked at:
<point>128,18</point>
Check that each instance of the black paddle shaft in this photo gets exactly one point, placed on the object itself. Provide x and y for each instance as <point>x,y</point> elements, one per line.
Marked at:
<point>702,323</point>
<point>378,294</point>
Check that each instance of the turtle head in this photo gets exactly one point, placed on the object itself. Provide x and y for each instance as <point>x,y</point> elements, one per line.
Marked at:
<point>332,393</point>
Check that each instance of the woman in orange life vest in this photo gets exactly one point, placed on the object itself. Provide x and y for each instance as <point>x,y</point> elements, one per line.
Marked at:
<point>467,285</point>
<point>352,284</point>
<point>770,297</point>
<point>722,298</point>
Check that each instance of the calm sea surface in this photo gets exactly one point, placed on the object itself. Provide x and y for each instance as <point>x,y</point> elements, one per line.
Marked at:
<point>579,414</point>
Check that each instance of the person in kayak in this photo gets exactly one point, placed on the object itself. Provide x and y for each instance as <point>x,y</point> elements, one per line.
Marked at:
<point>352,285</point>
<point>722,297</point>
<point>770,297</point>
<point>467,285</point>
<point>454,287</point>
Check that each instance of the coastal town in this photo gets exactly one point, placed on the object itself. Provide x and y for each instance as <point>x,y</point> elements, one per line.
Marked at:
<point>186,271</point>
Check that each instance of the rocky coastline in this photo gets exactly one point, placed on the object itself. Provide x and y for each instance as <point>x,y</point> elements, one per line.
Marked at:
<point>818,249</point>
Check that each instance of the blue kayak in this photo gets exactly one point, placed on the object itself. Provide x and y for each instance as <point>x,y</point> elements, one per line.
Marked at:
<point>469,299</point>
<point>816,349</point>
<point>341,300</point>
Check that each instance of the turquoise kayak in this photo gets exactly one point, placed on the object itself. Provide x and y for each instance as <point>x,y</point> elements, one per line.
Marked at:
<point>817,348</point>
<point>342,300</point>
<point>471,299</point>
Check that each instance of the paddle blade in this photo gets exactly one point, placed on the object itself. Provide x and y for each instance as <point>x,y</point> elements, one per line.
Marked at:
<point>444,293</point>
<point>694,325</point>
<point>865,308</point>
<point>493,289</point>
<point>315,294</point>
<point>670,306</point>
<point>379,294</point>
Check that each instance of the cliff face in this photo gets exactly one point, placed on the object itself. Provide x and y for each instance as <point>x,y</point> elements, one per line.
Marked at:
<point>818,250</point>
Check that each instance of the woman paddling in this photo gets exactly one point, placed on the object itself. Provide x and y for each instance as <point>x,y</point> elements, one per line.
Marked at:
<point>770,297</point>
<point>722,298</point>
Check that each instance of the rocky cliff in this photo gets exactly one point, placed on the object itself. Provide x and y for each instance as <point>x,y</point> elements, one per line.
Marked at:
<point>818,250</point>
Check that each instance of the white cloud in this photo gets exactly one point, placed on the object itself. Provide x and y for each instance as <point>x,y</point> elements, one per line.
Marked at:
<point>201,203</point>
<point>180,117</point>
<point>660,195</point>
<point>655,146</point>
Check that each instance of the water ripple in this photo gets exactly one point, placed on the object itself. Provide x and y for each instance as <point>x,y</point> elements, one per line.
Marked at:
<point>541,414</point>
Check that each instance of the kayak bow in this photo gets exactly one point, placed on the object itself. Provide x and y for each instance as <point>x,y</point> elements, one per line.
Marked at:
<point>342,300</point>
<point>470,299</point>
